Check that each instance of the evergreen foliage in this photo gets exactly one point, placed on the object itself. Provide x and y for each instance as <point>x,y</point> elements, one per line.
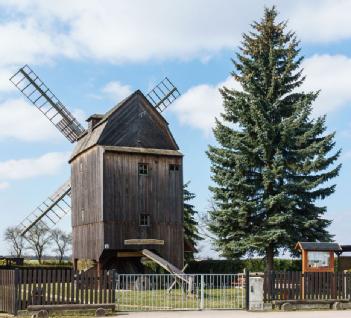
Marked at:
<point>191,231</point>
<point>273,162</point>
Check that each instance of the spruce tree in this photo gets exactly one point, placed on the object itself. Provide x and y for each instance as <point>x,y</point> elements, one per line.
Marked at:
<point>273,160</point>
<point>191,231</point>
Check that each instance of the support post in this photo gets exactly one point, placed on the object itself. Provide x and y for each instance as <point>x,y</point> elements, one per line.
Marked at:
<point>114,284</point>
<point>202,292</point>
<point>247,289</point>
<point>17,291</point>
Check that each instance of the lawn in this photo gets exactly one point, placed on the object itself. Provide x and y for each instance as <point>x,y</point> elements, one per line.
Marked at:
<point>229,298</point>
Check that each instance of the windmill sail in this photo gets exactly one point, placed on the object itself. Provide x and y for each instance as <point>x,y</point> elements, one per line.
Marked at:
<point>41,96</point>
<point>51,211</point>
<point>163,94</point>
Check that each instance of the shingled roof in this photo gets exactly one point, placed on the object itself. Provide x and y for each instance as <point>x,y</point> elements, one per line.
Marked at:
<point>318,246</point>
<point>134,122</point>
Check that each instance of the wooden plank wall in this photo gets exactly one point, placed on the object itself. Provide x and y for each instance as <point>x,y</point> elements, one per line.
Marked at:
<point>86,179</point>
<point>128,194</point>
<point>284,285</point>
<point>8,291</point>
<point>22,287</point>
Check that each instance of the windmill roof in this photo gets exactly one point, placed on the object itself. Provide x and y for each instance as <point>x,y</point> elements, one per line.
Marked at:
<point>134,123</point>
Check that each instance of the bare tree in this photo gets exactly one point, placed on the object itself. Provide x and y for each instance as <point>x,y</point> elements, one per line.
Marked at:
<point>13,237</point>
<point>63,242</point>
<point>38,238</point>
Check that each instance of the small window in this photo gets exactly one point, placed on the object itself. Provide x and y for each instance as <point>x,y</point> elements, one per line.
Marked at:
<point>81,167</point>
<point>173,167</point>
<point>144,220</point>
<point>143,169</point>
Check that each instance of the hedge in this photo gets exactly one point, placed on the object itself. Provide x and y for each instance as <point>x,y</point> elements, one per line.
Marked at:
<point>237,266</point>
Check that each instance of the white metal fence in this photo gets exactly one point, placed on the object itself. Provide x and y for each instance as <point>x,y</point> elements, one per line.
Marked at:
<point>151,292</point>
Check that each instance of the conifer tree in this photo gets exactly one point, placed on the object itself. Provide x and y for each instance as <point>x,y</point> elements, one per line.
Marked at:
<point>191,231</point>
<point>273,160</point>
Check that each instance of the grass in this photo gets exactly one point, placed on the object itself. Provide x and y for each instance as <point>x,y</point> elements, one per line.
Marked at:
<point>129,300</point>
<point>155,299</point>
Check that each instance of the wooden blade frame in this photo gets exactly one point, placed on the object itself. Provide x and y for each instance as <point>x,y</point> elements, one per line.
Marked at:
<point>164,94</point>
<point>50,212</point>
<point>31,86</point>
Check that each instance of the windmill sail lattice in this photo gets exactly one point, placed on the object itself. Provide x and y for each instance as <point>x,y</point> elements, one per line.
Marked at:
<point>163,94</point>
<point>51,211</point>
<point>41,96</point>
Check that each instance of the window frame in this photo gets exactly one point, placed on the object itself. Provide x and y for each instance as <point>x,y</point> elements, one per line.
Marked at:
<point>173,167</point>
<point>143,169</point>
<point>144,219</point>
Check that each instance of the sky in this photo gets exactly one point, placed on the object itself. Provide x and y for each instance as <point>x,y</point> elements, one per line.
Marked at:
<point>92,54</point>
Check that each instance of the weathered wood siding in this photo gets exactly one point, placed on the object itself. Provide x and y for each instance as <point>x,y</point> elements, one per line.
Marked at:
<point>128,194</point>
<point>87,216</point>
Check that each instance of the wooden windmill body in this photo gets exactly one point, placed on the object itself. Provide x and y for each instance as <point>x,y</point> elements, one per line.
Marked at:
<point>126,187</point>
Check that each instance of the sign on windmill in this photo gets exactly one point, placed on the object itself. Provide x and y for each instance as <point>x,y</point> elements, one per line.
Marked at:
<point>126,178</point>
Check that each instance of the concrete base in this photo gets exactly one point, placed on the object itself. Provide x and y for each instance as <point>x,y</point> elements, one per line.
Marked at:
<point>100,312</point>
<point>306,306</point>
<point>256,294</point>
<point>267,307</point>
<point>341,306</point>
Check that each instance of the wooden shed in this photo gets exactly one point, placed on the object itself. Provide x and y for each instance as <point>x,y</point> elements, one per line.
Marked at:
<point>127,188</point>
<point>318,256</point>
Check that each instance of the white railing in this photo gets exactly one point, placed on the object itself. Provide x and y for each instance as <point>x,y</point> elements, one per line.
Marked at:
<point>151,292</point>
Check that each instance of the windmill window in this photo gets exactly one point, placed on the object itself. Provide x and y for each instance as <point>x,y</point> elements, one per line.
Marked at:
<point>173,167</point>
<point>144,220</point>
<point>81,167</point>
<point>143,169</point>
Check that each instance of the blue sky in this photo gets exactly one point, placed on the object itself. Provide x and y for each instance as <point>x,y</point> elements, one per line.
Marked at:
<point>94,53</point>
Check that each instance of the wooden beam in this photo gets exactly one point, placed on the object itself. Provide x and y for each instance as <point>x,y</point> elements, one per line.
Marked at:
<point>151,151</point>
<point>144,242</point>
<point>129,254</point>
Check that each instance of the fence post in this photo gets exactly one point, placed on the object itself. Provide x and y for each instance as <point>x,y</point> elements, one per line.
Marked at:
<point>247,289</point>
<point>17,291</point>
<point>117,288</point>
<point>114,286</point>
<point>202,292</point>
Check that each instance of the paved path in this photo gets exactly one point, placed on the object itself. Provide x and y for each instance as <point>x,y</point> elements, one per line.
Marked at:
<point>239,314</point>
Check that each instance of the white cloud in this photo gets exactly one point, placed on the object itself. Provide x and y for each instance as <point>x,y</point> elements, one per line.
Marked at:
<point>136,31</point>
<point>23,41</point>
<point>199,106</point>
<point>48,164</point>
<point>116,91</point>
<point>5,74</point>
<point>21,121</point>
<point>331,75</point>
<point>4,185</point>
<point>320,21</point>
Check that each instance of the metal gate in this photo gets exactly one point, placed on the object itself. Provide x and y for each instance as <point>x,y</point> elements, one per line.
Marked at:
<point>152,292</point>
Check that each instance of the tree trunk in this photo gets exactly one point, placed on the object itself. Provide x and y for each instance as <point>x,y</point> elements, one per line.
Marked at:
<point>270,257</point>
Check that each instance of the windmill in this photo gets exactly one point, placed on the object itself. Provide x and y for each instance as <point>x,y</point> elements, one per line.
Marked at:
<point>57,205</point>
